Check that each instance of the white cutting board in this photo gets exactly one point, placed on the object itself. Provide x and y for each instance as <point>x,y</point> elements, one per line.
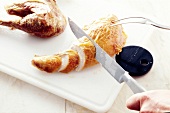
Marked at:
<point>92,88</point>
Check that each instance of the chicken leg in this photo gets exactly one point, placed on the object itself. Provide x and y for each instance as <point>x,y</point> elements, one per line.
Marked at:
<point>36,17</point>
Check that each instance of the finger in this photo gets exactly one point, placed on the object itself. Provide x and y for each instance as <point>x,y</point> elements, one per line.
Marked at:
<point>133,102</point>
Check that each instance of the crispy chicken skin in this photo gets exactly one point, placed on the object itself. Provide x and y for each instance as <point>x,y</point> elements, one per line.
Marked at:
<point>36,17</point>
<point>110,38</point>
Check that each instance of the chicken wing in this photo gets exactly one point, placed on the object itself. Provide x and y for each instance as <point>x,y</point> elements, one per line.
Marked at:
<point>36,17</point>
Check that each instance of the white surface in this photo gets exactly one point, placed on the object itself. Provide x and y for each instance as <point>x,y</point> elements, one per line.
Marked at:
<point>93,88</point>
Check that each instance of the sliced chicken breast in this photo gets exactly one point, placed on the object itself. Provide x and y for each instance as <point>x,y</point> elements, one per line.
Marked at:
<point>70,60</point>
<point>49,63</point>
<point>110,38</point>
<point>86,52</point>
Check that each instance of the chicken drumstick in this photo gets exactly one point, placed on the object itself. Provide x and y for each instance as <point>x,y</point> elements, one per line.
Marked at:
<point>36,17</point>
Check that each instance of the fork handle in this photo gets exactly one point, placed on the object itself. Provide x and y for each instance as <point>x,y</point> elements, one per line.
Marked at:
<point>158,25</point>
<point>140,20</point>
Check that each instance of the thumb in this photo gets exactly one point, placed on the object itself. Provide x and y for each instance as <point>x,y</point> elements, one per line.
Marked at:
<point>133,102</point>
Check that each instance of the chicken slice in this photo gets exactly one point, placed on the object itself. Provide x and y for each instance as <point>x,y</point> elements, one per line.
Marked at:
<point>50,63</point>
<point>110,38</point>
<point>64,62</point>
<point>36,17</point>
<point>70,61</point>
<point>86,52</point>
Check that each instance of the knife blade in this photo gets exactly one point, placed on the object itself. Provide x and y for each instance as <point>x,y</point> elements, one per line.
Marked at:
<point>108,62</point>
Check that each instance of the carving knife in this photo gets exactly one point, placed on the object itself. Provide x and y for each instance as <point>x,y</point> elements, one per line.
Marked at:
<point>108,62</point>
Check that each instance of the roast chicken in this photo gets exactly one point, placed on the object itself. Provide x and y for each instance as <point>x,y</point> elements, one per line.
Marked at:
<point>82,53</point>
<point>41,18</point>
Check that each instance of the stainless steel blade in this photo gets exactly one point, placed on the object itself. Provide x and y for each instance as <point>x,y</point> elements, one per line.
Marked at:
<point>108,62</point>
<point>101,56</point>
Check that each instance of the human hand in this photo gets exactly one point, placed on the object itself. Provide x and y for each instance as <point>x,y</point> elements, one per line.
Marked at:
<point>156,101</point>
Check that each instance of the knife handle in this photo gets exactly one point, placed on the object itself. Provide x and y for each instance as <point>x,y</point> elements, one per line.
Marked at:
<point>133,84</point>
